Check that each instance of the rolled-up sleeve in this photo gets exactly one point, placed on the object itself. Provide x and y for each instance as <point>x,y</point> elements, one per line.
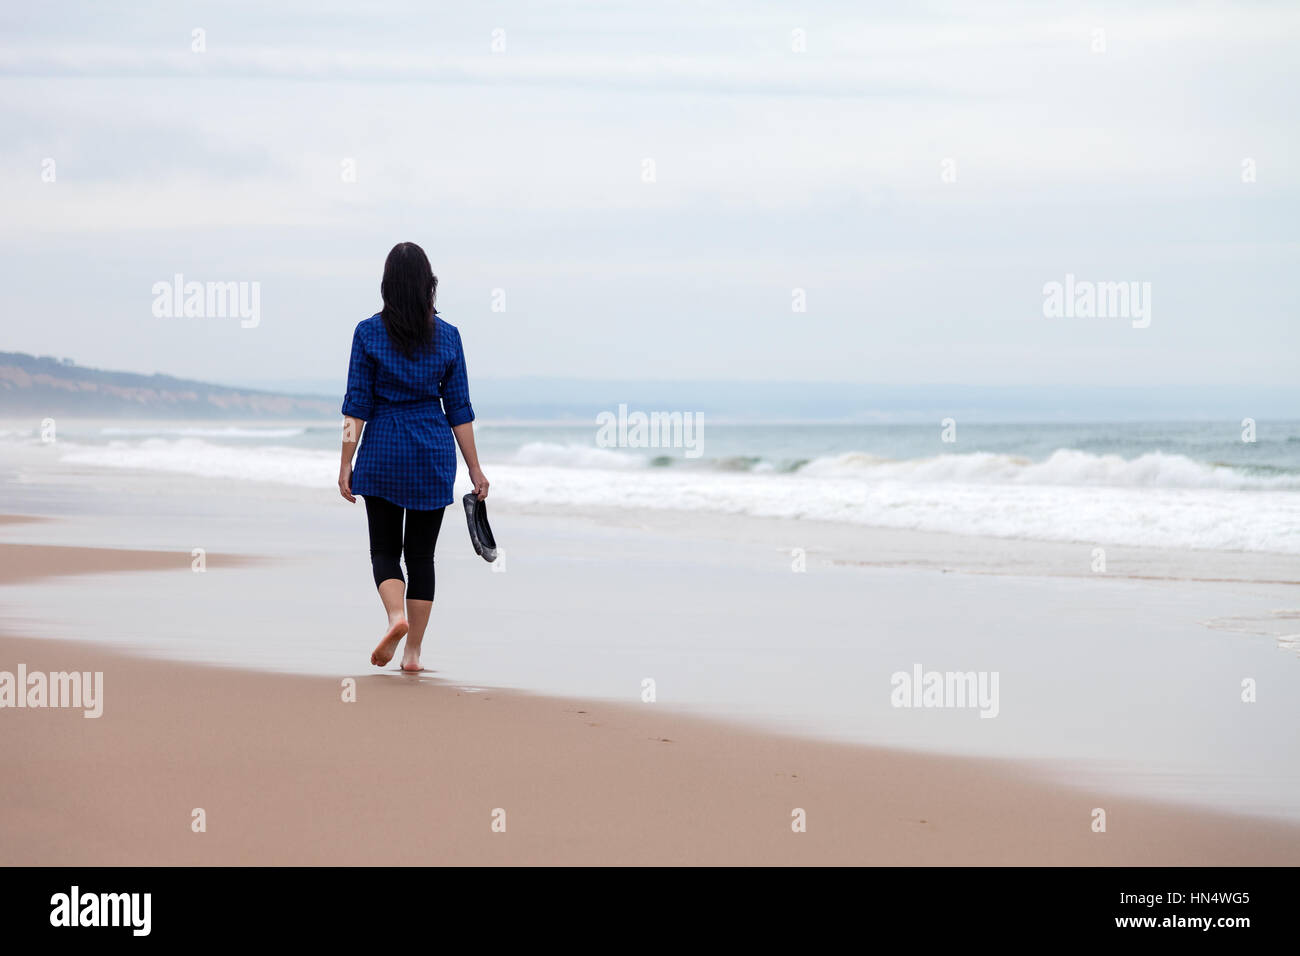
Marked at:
<point>359,401</point>
<point>455,389</point>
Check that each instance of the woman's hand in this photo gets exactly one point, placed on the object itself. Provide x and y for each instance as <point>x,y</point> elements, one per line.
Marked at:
<point>345,481</point>
<point>480,482</point>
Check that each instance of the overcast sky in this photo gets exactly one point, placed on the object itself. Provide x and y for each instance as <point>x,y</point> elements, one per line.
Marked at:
<point>523,170</point>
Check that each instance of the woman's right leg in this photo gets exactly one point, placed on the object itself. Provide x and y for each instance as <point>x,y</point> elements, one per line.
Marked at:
<point>385,520</point>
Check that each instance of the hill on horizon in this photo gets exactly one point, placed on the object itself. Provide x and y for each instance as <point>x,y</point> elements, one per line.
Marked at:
<point>44,385</point>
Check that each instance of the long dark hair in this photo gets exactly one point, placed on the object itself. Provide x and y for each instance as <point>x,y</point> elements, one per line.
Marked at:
<point>409,288</point>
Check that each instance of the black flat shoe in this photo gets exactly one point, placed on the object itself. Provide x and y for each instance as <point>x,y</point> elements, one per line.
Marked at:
<point>485,546</point>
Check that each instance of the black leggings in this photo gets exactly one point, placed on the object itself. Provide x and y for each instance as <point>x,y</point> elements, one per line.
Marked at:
<point>387,545</point>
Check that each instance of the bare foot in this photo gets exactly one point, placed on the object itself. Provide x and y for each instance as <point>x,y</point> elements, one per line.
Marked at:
<point>387,647</point>
<point>411,659</point>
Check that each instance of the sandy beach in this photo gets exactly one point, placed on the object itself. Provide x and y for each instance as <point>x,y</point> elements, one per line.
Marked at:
<point>770,643</point>
<point>414,770</point>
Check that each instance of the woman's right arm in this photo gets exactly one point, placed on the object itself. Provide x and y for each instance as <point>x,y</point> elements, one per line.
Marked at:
<point>351,435</point>
<point>358,404</point>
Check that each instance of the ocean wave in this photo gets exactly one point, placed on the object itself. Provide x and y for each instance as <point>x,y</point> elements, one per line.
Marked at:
<point>194,456</point>
<point>575,456</point>
<point>1205,518</point>
<point>199,431</point>
<point>1153,500</point>
<point>1062,467</point>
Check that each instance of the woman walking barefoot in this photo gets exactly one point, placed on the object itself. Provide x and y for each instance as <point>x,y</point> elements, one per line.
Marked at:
<point>408,390</point>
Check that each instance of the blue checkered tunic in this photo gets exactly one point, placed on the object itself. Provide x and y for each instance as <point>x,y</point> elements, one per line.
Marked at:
<point>407,453</point>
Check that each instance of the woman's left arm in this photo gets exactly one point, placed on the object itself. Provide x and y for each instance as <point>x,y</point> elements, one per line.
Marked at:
<point>460,416</point>
<point>465,439</point>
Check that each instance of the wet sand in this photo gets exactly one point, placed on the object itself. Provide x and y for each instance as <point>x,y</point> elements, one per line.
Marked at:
<point>416,771</point>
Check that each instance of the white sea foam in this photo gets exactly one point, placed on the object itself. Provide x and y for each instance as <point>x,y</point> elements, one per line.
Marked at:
<point>1154,500</point>
<point>194,456</point>
<point>1154,517</point>
<point>574,456</point>
<point>1063,467</point>
<point>199,431</point>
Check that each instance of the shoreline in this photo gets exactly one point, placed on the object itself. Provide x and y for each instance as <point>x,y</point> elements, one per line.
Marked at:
<point>1187,514</point>
<point>288,773</point>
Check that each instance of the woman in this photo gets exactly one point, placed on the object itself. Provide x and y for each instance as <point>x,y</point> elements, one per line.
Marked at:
<point>407,388</point>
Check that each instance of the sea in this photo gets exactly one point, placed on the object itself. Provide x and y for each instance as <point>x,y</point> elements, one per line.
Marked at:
<point>1220,485</point>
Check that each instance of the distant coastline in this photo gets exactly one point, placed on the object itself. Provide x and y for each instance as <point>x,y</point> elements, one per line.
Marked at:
<point>43,385</point>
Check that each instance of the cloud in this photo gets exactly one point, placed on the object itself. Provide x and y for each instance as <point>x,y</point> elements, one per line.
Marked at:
<point>775,169</point>
<point>772,74</point>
